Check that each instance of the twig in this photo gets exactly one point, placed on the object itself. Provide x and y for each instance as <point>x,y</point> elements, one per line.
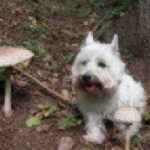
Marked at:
<point>51,92</point>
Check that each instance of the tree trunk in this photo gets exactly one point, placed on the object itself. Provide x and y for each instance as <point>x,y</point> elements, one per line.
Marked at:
<point>134,34</point>
<point>144,34</point>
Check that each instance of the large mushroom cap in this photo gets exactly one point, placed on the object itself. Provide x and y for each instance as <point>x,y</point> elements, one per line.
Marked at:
<point>10,56</point>
<point>127,115</point>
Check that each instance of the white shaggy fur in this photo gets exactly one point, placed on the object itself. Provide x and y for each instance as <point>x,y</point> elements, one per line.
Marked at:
<point>118,87</point>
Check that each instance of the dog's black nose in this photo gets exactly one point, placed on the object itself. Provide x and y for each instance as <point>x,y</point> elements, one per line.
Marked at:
<point>86,78</point>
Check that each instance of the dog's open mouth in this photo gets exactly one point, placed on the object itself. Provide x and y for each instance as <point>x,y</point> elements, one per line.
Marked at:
<point>92,87</point>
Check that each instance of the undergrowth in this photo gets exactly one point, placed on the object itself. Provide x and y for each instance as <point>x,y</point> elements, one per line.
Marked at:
<point>112,7</point>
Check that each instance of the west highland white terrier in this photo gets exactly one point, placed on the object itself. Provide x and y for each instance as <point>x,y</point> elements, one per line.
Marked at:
<point>103,85</point>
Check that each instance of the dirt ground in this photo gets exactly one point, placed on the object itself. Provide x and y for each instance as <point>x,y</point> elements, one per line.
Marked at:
<point>59,33</point>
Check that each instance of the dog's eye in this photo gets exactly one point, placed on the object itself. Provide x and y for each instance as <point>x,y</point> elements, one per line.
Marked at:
<point>84,63</point>
<point>101,64</point>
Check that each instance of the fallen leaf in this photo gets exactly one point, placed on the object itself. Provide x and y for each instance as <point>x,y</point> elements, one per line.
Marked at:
<point>33,121</point>
<point>40,115</point>
<point>122,14</point>
<point>75,45</point>
<point>53,80</point>
<point>66,143</point>
<point>65,112</point>
<point>79,122</point>
<point>36,93</point>
<point>33,111</point>
<point>43,128</point>
<point>33,20</point>
<point>40,74</point>
<point>25,64</point>
<point>65,94</point>
<point>86,23</point>
<point>43,107</point>
<point>146,116</point>
<point>20,83</point>
<point>61,128</point>
<point>61,104</point>
<point>48,58</point>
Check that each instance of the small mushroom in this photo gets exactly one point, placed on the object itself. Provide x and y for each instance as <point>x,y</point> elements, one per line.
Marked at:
<point>10,56</point>
<point>127,115</point>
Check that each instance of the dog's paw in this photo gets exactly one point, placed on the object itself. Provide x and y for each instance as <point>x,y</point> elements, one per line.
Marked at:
<point>97,139</point>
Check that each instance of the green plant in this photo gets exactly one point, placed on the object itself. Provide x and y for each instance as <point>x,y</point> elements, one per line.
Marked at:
<point>33,121</point>
<point>67,122</point>
<point>113,7</point>
<point>12,6</point>
<point>29,2</point>
<point>54,67</point>
<point>26,26</point>
<point>53,110</point>
<point>135,140</point>
<point>98,5</point>
<point>41,52</point>
<point>73,10</point>
<point>120,7</point>
<point>66,56</point>
<point>33,28</point>
<point>84,13</point>
<point>53,8</point>
<point>44,111</point>
<point>31,45</point>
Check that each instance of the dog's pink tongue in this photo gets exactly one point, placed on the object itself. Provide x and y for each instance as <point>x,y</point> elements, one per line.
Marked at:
<point>90,88</point>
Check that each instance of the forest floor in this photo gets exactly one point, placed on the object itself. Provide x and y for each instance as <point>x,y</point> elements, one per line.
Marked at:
<point>54,33</point>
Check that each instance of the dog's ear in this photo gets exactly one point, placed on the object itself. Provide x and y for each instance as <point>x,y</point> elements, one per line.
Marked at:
<point>114,43</point>
<point>89,39</point>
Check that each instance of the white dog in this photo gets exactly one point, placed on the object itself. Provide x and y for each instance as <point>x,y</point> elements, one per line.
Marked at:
<point>103,85</point>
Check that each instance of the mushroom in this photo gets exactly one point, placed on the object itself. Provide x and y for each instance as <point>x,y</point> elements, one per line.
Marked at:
<point>127,115</point>
<point>10,56</point>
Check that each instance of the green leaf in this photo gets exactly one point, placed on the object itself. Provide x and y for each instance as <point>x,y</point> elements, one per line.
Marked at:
<point>135,140</point>
<point>29,27</point>
<point>33,121</point>
<point>53,110</point>
<point>67,122</point>
<point>31,45</point>
<point>26,26</point>
<point>54,67</point>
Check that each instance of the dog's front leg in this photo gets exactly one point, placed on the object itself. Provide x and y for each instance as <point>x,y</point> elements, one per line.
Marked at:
<point>94,128</point>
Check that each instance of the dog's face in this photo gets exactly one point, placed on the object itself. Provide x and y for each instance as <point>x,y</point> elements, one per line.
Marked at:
<point>97,67</point>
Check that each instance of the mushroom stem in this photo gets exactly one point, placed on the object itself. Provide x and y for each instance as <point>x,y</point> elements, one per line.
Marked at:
<point>7,103</point>
<point>127,141</point>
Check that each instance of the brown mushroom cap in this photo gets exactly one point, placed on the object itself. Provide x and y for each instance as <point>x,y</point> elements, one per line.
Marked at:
<point>127,115</point>
<point>10,56</point>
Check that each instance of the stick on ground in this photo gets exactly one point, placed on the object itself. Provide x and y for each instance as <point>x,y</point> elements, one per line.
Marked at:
<point>50,91</point>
